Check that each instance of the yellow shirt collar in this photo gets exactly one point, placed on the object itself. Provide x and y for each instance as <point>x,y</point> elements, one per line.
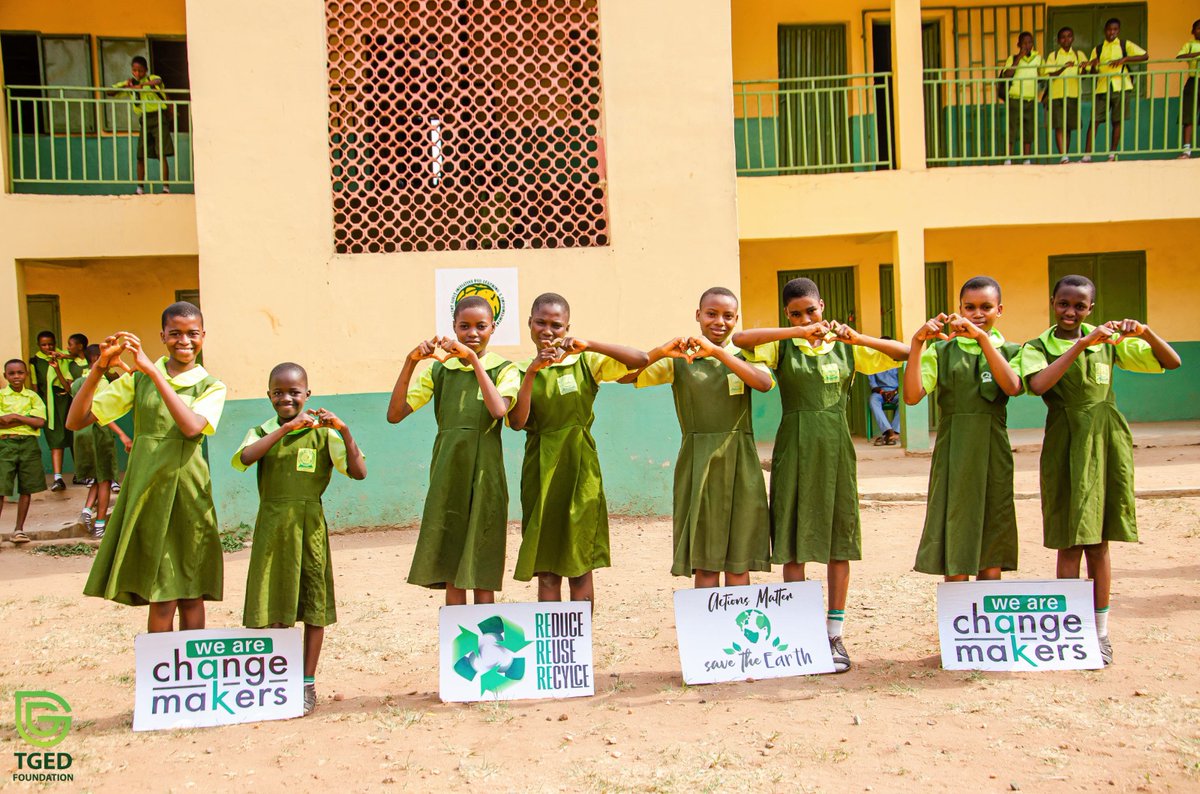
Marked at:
<point>183,379</point>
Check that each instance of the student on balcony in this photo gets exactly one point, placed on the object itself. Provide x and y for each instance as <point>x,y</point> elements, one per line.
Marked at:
<point>150,106</point>
<point>1021,72</point>
<point>1190,52</point>
<point>1063,66</point>
<point>1114,90</point>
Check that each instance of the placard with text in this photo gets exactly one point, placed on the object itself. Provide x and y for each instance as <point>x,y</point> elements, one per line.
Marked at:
<point>196,679</point>
<point>1018,625</point>
<point>756,631</point>
<point>516,651</point>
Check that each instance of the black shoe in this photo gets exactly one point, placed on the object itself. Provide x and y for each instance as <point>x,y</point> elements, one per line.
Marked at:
<point>59,485</point>
<point>841,659</point>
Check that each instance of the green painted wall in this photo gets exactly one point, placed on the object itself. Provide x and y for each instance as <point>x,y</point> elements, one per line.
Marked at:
<point>85,160</point>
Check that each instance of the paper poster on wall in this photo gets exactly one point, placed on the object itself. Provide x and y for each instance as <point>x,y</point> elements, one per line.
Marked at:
<point>515,651</point>
<point>497,285</point>
<point>197,679</point>
<point>1018,625</point>
<point>756,631</point>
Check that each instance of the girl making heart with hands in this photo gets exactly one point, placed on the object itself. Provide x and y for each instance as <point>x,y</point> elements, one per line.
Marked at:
<point>721,523</point>
<point>1087,455</point>
<point>970,521</point>
<point>461,543</point>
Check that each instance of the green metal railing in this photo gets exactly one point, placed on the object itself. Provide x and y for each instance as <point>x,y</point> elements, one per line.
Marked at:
<point>77,139</point>
<point>810,125</point>
<point>977,121</point>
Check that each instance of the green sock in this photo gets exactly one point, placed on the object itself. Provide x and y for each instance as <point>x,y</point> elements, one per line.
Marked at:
<point>310,679</point>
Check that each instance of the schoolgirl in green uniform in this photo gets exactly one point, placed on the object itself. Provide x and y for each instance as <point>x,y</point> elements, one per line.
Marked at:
<point>814,471</point>
<point>50,376</point>
<point>291,570</point>
<point>464,525</point>
<point>1087,455</point>
<point>970,519</point>
<point>22,417</point>
<point>564,518</point>
<point>721,520</point>
<point>95,454</point>
<point>161,547</point>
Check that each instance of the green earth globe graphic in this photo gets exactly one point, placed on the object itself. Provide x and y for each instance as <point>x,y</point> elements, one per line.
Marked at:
<point>755,626</point>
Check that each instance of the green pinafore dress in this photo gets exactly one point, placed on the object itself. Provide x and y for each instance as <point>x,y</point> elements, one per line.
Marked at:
<point>721,518</point>
<point>814,471</point>
<point>55,432</point>
<point>564,516</point>
<point>970,519</point>
<point>464,524</point>
<point>161,543</point>
<point>291,570</point>
<point>1087,456</point>
<point>94,449</point>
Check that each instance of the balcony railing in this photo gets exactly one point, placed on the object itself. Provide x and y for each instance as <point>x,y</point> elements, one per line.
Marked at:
<point>78,140</point>
<point>813,125</point>
<point>976,121</point>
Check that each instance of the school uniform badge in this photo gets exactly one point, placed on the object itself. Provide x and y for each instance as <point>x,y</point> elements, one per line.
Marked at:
<point>306,460</point>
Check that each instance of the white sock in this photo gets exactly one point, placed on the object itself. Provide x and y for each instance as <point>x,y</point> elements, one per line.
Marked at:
<point>1102,622</point>
<point>57,475</point>
<point>834,619</point>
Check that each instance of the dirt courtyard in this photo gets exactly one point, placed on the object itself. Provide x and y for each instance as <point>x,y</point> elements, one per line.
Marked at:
<point>895,722</point>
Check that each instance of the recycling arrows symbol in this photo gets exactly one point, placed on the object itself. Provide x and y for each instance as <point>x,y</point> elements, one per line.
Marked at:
<point>491,654</point>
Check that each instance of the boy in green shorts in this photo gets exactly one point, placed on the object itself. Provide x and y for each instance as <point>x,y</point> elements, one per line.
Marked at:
<point>1190,51</point>
<point>1063,65</point>
<point>22,416</point>
<point>1114,96</point>
<point>154,119</point>
<point>1021,102</point>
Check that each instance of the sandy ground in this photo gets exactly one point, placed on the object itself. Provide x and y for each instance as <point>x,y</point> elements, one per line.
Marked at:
<point>895,722</point>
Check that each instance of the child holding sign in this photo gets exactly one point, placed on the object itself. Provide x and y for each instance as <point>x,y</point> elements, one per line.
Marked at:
<point>814,471</point>
<point>291,572</point>
<point>970,519</point>
<point>464,524</point>
<point>1087,455</point>
<point>161,547</point>
<point>564,518</point>
<point>721,517</point>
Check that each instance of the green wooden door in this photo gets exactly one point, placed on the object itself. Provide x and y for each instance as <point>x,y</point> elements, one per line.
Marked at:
<point>887,301</point>
<point>41,314</point>
<point>937,301</point>
<point>813,126</point>
<point>836,285</point>
<point>1120,278</point>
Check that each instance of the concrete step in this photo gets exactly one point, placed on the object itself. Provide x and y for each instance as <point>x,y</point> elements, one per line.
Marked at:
<point>66,532</point>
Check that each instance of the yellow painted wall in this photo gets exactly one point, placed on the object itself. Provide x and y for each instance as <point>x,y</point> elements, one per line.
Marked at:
<point>1017,258</point>
<point>762,260</point>
<point>274,289</point>
<point>98,297</point>
<point>95,18</point>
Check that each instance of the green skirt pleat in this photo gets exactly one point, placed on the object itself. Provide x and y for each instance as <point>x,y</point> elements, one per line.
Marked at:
<point>161,542</point>
<point>291,569</point>
<point>565,516</point>
<point>464,523</point>
<point>814,496</point>
<point>721,521</point>
<point>1087,478</point>
<point>970,520</point>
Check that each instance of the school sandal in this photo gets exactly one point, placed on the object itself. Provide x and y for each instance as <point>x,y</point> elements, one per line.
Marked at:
<point>1106,651</point>
<point>841,659</point>
<point>19,537</point>
<point>310,698</point>
<point>882,440</point>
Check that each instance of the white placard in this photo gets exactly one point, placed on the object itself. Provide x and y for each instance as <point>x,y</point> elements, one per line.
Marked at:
<point>196,679</point>
<point>1018,625</point>
<point>498,285</point>
<point>756,631</point>
<point>516,651</point>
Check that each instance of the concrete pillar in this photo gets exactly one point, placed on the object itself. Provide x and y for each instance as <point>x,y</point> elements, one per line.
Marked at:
<point>908,252</point>
<point>907,73</point>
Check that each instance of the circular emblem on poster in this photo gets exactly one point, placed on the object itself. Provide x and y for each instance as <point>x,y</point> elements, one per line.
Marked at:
<point>481,288</point>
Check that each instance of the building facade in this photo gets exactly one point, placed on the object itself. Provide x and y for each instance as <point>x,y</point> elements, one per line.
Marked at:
<point>329,166</point>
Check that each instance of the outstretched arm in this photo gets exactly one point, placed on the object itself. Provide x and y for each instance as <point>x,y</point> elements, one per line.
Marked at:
<point>753,337</point>
<point>630,357</point>
<point>893,349</point>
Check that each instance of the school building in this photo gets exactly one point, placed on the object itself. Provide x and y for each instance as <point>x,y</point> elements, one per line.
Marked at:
<point>331,168</point>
